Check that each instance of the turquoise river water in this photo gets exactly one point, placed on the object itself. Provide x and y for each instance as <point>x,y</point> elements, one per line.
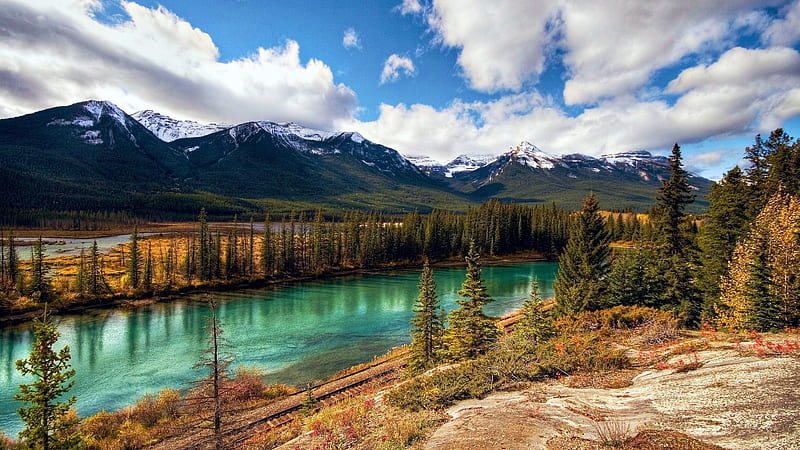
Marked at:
<point>297,332</point>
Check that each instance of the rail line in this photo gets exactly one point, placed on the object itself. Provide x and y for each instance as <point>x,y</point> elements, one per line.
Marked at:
<point>282,412</point>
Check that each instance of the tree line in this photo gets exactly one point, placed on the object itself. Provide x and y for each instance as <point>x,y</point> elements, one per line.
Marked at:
<point>738,270</point>
<point>287,246</point>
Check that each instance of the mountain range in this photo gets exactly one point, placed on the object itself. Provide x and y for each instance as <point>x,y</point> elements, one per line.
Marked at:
<point>94,156</point>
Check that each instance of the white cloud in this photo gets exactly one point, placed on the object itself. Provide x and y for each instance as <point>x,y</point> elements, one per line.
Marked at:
<point>409,7</point>
<point>610,48</point>
<point>502,42</point>
<point>785,32</point>
<point>55,53</point>
<point>741,86</point>
<point>394,65</point>
<point>714,101</point>
<point>351,39</point>
<point>613,49</point>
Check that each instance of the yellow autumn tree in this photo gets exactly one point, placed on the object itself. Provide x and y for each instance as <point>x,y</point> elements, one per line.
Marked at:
<point>762,286</point>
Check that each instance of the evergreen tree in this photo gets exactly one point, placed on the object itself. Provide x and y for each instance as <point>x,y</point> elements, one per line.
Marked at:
<point>147,271</point>
<point>583,267</point>
<point>636,278</point>
<point>427,326</point>
<point>675,247</point>
<point>39,287</point>
<point>134,261</point>
<point>470,331</point>
<point>668,215</point>
<point>766,313</point>
<point>12,261</point>
<point>80,277</point>
<point>726,222</point>
<point>93,275</point>
<point>534,325</point>
<point>45,413</point>
<point>205,246</point>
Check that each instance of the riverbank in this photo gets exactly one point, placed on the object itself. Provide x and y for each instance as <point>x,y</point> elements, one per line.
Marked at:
<point>59,308</point>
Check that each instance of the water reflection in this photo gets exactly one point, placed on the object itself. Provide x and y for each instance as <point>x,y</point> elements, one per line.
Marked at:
<point>297,332</point>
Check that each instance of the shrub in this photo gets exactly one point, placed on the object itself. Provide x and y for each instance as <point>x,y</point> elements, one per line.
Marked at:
<point>169,403</point>
<point>612,431</point>
<point>7,443</point>
<point>471,379</point>
<point>247,384</point>
<point>132,435</point>
<point>616,318</point>
<point>586,352</point>
<point>273,391</point>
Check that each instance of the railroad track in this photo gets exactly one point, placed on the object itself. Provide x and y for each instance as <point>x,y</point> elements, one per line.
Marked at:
<point>263,418</point>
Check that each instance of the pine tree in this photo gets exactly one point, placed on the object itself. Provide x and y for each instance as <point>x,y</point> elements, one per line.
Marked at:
<point>674,246</point>
<point>217,362</point>
<point>668,214</point>
<point>45,413</point>
<point>81,276</point>
<point>93,276</point>
<point>583,267</point>
<point>427,326</point>
<point>147,271</point>
<point>39,287</point>
<point>534,325</point>
<point>726,222</point>
<point>134,261</point>
<point>765,314</point>
<point>773,233</point>
<point>470,331</point>
<point>12,261</point>
<point>204,247</point>
<point>636,278</point>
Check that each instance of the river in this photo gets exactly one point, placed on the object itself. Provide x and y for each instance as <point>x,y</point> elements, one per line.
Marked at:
<point>297,332</point>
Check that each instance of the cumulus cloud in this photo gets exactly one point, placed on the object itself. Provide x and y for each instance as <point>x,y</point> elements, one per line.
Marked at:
<point>785,32</point>
<point>394,66</point>
<point>743,92</point>
<point>409,7</point>
<point>712,159</point>
<point>351,39</point>
<point>502,42</point>
<point>610,48</point>
<point>56,53</point>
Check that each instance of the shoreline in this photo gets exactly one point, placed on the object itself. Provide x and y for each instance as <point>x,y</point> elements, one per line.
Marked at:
<point>177,293</point>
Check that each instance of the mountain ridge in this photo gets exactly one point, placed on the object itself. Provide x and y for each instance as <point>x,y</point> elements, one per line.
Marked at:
<point>93,156</point>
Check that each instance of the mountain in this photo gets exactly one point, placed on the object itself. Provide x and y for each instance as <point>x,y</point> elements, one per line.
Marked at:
<point>92,156</point>
<point>462,163</point>
<point>168,129</point>
<point>525,173</point>
<point>287,161</point>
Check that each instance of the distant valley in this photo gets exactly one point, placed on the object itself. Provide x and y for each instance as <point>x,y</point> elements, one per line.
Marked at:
<point>92,156</point>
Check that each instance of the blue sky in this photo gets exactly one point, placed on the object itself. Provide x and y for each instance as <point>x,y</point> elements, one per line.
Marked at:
<point>437,78</point>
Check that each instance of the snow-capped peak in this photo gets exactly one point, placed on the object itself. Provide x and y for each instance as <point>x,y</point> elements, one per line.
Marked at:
<point>531,156</point>
<point>168,129</point>
<point>308,134</point>
<point>628,158</point>
<point>98,108</point>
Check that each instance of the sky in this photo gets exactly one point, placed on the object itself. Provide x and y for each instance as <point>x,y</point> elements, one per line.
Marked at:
<point>428,78</point>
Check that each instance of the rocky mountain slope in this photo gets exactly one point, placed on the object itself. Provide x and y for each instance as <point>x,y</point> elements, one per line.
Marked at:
<point>93,156</point>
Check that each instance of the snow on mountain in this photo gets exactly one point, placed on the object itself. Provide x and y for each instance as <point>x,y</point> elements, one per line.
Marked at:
<point>461,163</point>
<point>528,154</point>
<point>94,110</point>
<point>631,158</point>
<point>168,129</point>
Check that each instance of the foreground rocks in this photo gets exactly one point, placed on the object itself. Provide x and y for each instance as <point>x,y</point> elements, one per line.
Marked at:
<point>731,400</point>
